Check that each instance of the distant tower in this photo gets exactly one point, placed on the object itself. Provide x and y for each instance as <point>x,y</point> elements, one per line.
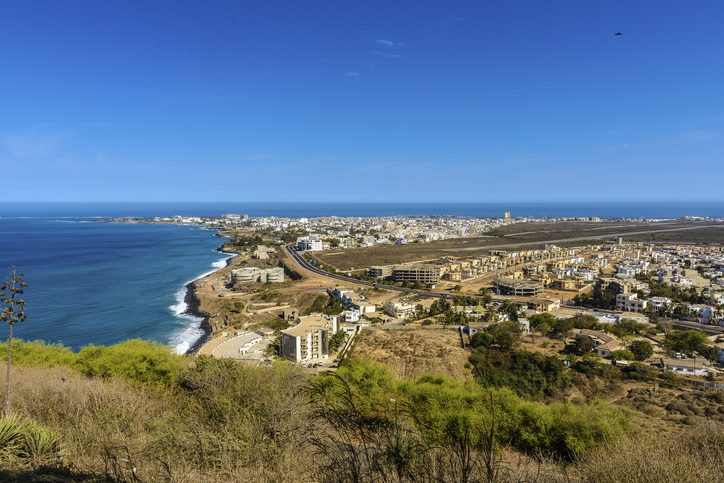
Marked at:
<point>506,215</point>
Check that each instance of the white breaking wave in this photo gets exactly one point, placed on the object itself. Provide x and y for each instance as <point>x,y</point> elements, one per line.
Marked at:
<point>183,340</point>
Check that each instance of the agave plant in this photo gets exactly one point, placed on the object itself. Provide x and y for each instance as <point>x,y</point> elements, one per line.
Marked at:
<point>12,431</point>
<point>25,439</point>
<point>40,444</point>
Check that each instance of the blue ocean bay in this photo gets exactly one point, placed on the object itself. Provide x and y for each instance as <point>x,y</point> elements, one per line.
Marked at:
<point>102,283</point>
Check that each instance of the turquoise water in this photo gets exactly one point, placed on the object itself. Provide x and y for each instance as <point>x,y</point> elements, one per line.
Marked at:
<point>103,283</point>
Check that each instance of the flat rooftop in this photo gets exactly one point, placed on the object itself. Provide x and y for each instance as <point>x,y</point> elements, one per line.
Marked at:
<point>307,324</point>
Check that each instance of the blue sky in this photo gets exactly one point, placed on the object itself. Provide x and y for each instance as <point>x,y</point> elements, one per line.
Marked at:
<point>361,101</point>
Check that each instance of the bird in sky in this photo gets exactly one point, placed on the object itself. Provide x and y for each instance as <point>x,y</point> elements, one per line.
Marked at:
<point>617,34</point>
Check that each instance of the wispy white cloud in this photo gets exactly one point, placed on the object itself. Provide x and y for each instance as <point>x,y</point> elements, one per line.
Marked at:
<point>388,43</point>
<point>676,139</point>
<point>386,55</point>
<point>352,73</point>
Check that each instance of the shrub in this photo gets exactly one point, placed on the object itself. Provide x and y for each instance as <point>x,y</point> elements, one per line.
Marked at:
<point>622,355</point>
<point>529,374</point>
<point>447,414</point>
<point>38,353</point>
<point>694,455</point>
<point>133,360</point>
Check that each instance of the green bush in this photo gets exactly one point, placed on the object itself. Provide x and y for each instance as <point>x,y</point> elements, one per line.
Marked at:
<point>622,355</point>
<point>529,374</point>
<point>448,413</point>
<point>38,353</point>
<point>133,360</point>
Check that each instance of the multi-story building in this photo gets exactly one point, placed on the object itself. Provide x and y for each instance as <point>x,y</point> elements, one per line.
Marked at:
<point>630,303</point>
<point>379,272</point>
<point>309,339</point>
<point>309,243</point>
<point>424,274</point>
<point>399,310</point>
<point>511,286</point>
<point>254,274</point>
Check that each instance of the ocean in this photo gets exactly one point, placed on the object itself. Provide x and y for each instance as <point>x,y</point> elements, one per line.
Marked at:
<point>305,209</point>
<point>101,283</point>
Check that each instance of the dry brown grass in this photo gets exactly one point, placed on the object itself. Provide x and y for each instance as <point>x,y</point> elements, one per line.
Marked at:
<point>695,455</point>
<point>221,421</point>
<point>240,426</point>
<point>414,352</point>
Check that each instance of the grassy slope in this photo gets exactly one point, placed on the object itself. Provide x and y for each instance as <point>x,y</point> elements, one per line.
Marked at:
<point>135,410</point>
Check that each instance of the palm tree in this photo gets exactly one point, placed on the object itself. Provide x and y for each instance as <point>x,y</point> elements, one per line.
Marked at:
<point>13,311</point>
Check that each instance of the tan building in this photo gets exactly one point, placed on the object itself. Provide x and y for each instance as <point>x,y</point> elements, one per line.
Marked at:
<point>379,272</point>
<point>544,305</point>
<point>398,310</point>
<point>424,274</point>
<point>509,286</point>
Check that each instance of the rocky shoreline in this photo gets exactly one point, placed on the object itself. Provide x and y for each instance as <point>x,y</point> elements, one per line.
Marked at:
<point>193,302</point>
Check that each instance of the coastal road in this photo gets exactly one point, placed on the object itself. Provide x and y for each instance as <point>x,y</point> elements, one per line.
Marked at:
<point>581,238</point>
<point>308,266</point>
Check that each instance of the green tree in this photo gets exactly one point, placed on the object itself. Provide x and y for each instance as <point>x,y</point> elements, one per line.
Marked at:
<point>12,311</point>
<point>528,374</point>
<point>582,345</point>
<point>628,327</point>
<point>561,327</point>
<point>486,298</point>
<point>641,349</point>
<point>510,308</point>
<point>337,340</point>
<point>585,321</point>
<point>622,355</point>
<point>686,341</point>
<point>504,336</point>
<point>542,323</point>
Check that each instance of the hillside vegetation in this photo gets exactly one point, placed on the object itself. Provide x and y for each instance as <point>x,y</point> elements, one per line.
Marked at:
<point>137,412</point>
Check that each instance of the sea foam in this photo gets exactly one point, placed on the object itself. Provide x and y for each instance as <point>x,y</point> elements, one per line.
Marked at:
<point>185,338</point>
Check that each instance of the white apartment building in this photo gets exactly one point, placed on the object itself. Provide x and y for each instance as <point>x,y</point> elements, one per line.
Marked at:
<point>630,303</point>
<point>309,339</point>
<point>659,303</point>
<point>310,243</point>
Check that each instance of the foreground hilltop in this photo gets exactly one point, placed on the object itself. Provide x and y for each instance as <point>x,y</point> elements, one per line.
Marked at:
<point>137,412</point>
